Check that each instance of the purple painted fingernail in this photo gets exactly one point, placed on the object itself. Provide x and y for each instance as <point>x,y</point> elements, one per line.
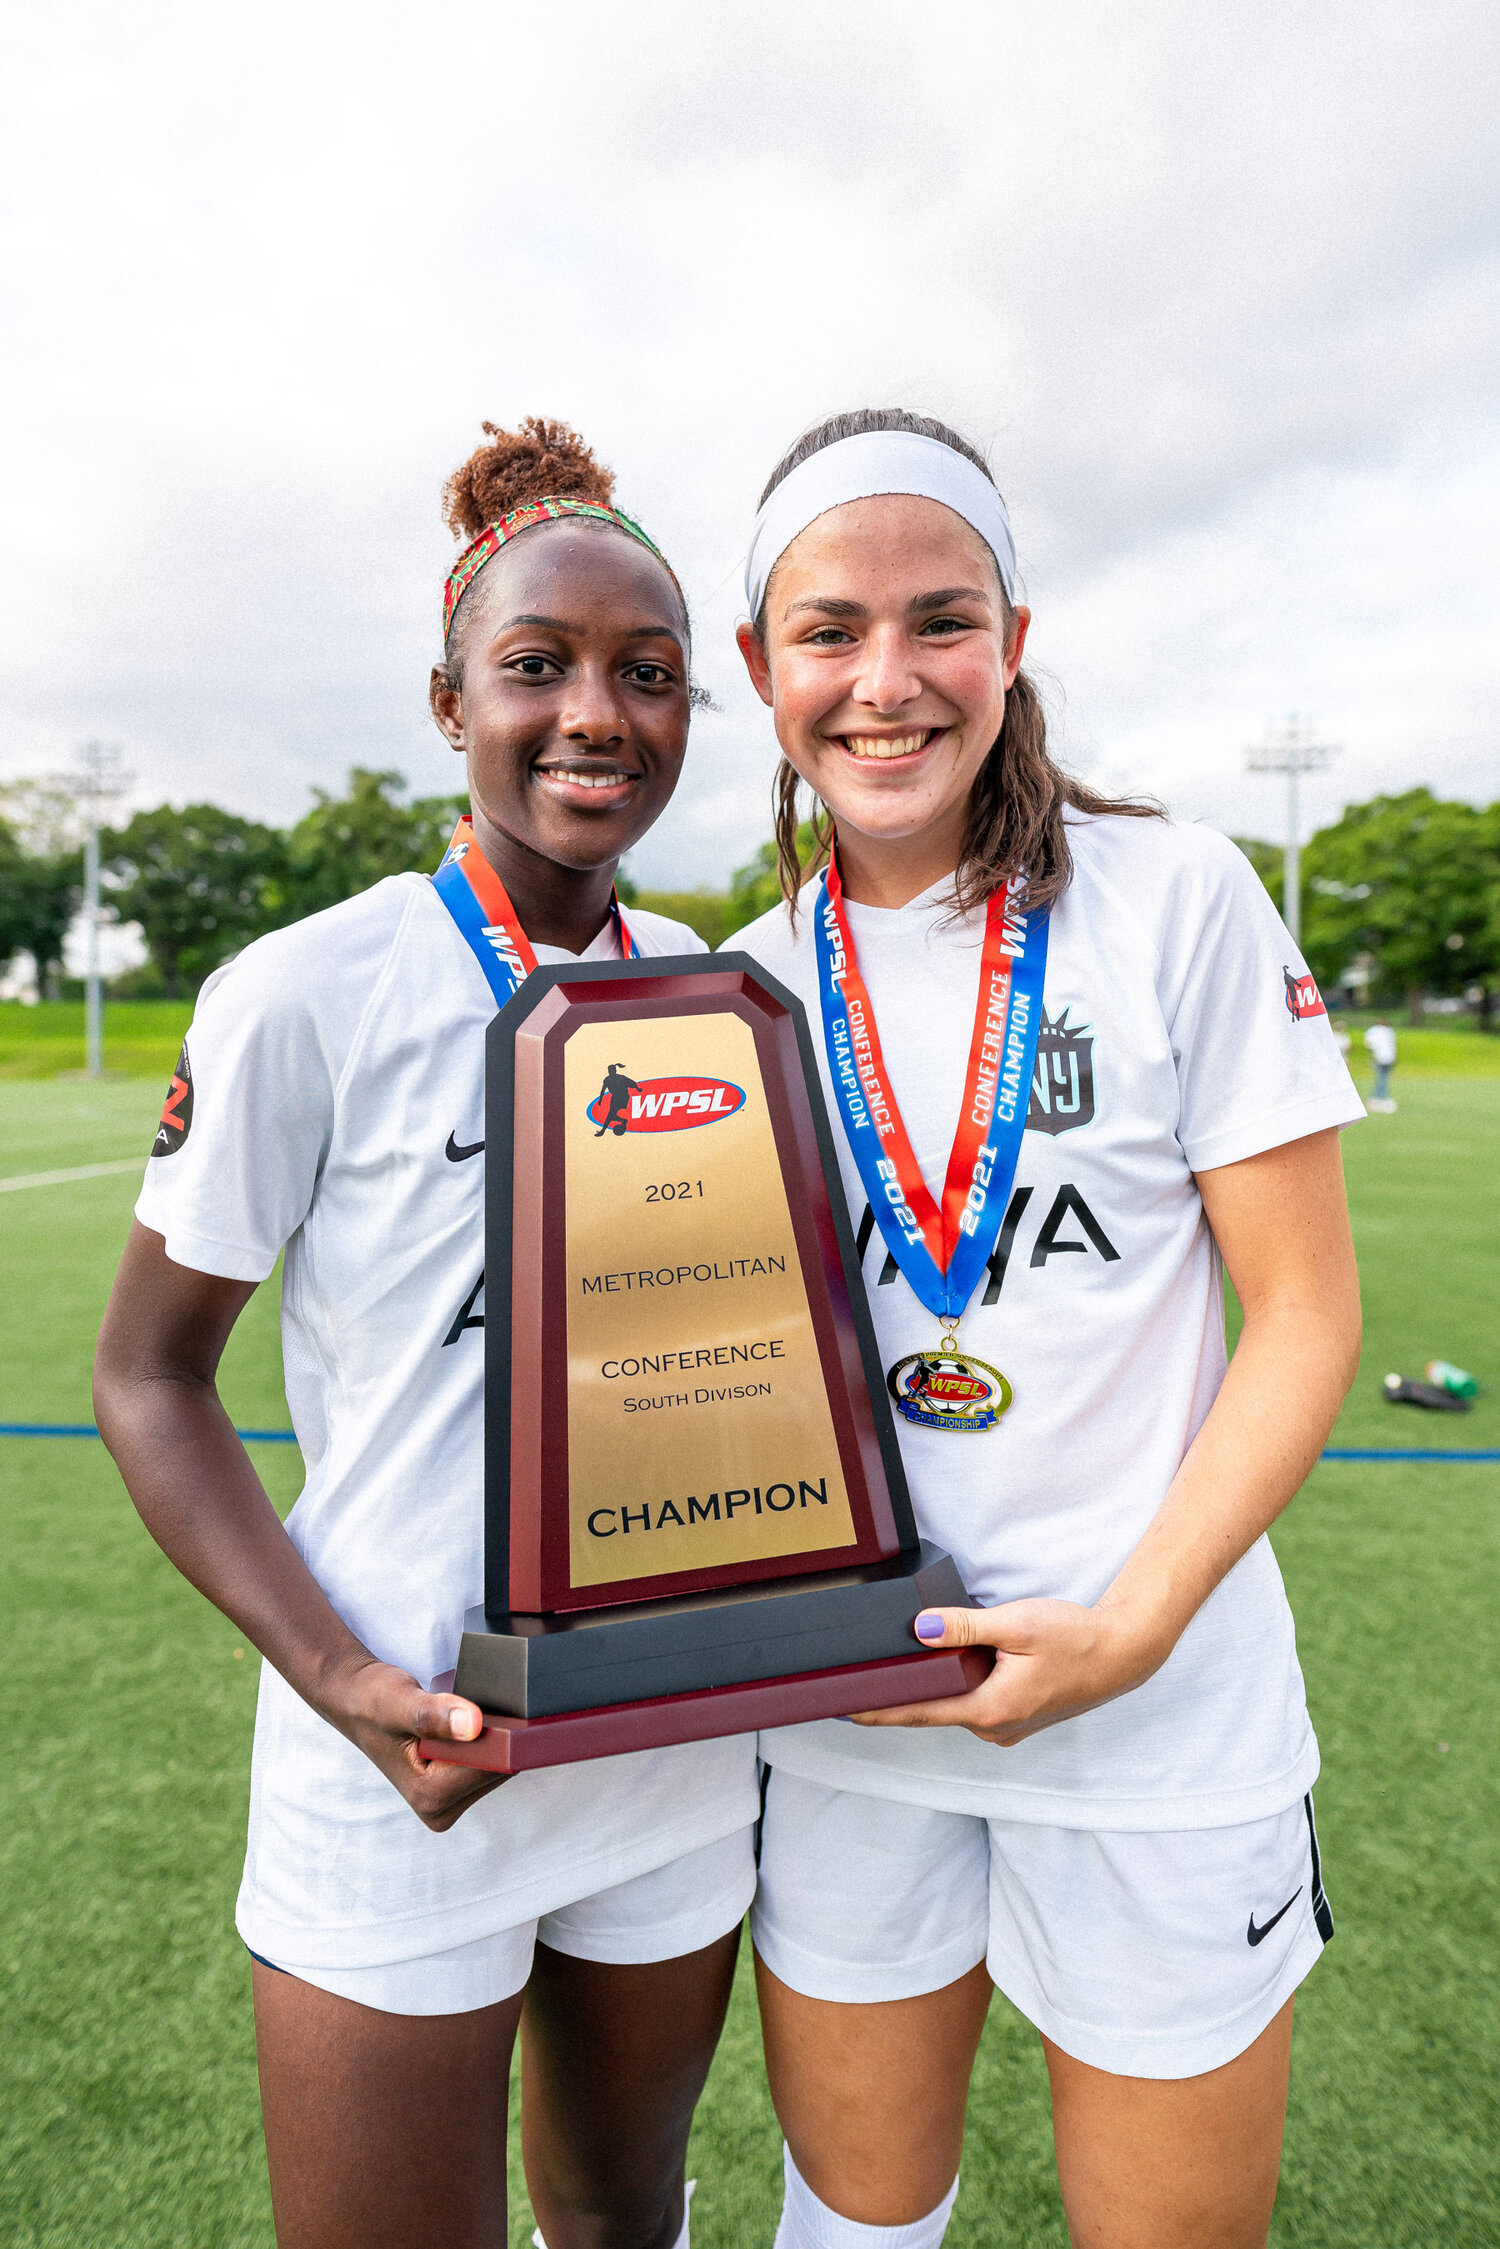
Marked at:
<point>930,1626</point>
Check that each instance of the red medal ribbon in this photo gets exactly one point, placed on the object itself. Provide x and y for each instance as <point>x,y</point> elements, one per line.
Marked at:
<point>480,905</point>
<point>940,1231</point>
<point>493,897</point>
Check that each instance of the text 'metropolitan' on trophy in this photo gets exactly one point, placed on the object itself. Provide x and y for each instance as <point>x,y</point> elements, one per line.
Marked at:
<point>696,1520</point>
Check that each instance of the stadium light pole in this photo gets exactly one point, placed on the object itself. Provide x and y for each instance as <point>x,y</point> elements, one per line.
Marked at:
<point>1289,750</point>
<point>101,781</point>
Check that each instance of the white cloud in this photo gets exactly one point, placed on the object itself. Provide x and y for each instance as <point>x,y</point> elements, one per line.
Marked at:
<point>1217,285</point>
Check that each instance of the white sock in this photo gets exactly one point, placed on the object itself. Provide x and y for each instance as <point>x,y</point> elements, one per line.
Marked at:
<point>807,2223</point>
<point>682,2239</point>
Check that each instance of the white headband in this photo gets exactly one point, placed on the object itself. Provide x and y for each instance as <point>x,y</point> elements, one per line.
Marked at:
<point>862,468</point>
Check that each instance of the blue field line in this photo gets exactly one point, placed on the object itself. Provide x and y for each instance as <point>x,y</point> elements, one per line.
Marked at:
<point>1361,1452</point>
<point>87,1429</point>
<point>289,1437</point>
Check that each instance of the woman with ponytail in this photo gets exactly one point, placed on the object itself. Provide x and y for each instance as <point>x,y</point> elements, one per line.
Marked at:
<point>1078,1070</point>
<point>405,1916</point>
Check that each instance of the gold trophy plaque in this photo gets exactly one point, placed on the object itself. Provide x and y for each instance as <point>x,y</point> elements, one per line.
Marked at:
<point>696,1517</point>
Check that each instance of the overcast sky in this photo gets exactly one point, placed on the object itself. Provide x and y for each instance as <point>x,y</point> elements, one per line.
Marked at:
<point>1217,287</point>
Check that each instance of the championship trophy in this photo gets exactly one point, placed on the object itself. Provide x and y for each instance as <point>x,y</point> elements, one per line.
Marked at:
<point>696,1518</point>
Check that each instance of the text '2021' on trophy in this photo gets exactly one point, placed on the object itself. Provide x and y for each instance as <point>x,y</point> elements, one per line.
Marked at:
<point>696,1520</point>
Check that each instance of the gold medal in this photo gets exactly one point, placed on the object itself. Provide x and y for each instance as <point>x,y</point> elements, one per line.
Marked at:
<point>946,1388</point>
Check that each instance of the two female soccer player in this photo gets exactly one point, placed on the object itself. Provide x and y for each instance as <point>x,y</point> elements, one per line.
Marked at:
<point>404,1912</point>
<point>1083,1085</point>
<point>1084,1091</point>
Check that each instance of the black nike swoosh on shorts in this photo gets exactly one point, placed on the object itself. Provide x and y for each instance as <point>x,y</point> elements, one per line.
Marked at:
<point>457,1155</point>
<point>1254,1935</point>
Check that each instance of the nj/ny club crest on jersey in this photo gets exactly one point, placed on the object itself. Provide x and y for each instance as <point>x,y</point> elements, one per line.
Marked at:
<point>1062,1084</point>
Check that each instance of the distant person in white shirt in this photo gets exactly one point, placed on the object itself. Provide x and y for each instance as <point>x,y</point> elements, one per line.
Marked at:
<point>1380,1043</point>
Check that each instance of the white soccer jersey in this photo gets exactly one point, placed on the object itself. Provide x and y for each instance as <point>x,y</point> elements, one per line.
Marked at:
<point>1180,1032</point>
<point>337,1109</point>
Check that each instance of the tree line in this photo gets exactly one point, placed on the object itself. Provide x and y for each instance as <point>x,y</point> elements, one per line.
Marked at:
<point>202,882</point>
<point>1401,895</point>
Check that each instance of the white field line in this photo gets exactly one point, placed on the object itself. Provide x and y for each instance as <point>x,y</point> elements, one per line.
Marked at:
<point>80,1171</point>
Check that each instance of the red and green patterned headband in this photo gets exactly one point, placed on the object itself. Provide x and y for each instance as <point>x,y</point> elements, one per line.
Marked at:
<point>507,527</point>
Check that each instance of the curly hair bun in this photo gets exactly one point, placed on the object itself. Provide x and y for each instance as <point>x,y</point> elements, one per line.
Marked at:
<point>541,460</point>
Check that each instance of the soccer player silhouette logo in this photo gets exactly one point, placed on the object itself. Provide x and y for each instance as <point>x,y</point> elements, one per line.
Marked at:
<point>1302,995</point>
<point>615,1094</point>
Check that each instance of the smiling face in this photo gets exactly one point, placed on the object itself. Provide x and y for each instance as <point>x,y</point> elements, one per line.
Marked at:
<point>572,711</point>
<point>888,653</point>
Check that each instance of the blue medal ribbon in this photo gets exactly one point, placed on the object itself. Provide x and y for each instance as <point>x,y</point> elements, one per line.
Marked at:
<point>997,1094</point>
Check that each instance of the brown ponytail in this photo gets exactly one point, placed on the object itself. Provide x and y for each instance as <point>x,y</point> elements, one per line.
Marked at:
<point>1021,796</point>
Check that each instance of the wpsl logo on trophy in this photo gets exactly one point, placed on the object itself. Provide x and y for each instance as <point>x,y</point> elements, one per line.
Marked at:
<point>1062,1085</point>
<point>660,1104</point>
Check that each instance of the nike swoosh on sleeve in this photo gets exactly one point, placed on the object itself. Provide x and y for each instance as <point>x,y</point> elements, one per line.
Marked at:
<point>457,1155</point>
<point>1254,1935</point>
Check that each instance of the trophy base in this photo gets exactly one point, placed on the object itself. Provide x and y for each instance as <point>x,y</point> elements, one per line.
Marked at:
<point>521,1745</point>
<point>646,1651</point>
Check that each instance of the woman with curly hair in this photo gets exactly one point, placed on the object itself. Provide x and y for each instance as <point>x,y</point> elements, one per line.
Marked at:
<point>407,1916</point>
<point>1079,1069</point>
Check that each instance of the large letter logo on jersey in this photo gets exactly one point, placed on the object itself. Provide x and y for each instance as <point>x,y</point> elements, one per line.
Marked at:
<point>948,1390</point>
<point>660,1104</point>
<point>1062,1085</point>
<point>177,1109</point>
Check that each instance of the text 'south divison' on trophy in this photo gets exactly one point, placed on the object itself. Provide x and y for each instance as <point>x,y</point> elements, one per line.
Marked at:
<point>696,1520</point>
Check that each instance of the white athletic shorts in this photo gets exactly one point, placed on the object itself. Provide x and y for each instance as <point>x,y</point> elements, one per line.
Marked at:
<point>676,1908</point>
<point>1148,1955</point>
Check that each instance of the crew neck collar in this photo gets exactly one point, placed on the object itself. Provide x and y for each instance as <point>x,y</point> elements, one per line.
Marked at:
<point>603,946</point>
<point>937,897</point>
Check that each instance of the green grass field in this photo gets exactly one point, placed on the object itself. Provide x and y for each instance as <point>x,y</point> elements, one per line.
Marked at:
<point>141,1037</point>
<point>128,2113</point>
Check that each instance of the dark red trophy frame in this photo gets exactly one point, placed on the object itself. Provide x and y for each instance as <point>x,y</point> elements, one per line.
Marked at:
<point>566,1673</point>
